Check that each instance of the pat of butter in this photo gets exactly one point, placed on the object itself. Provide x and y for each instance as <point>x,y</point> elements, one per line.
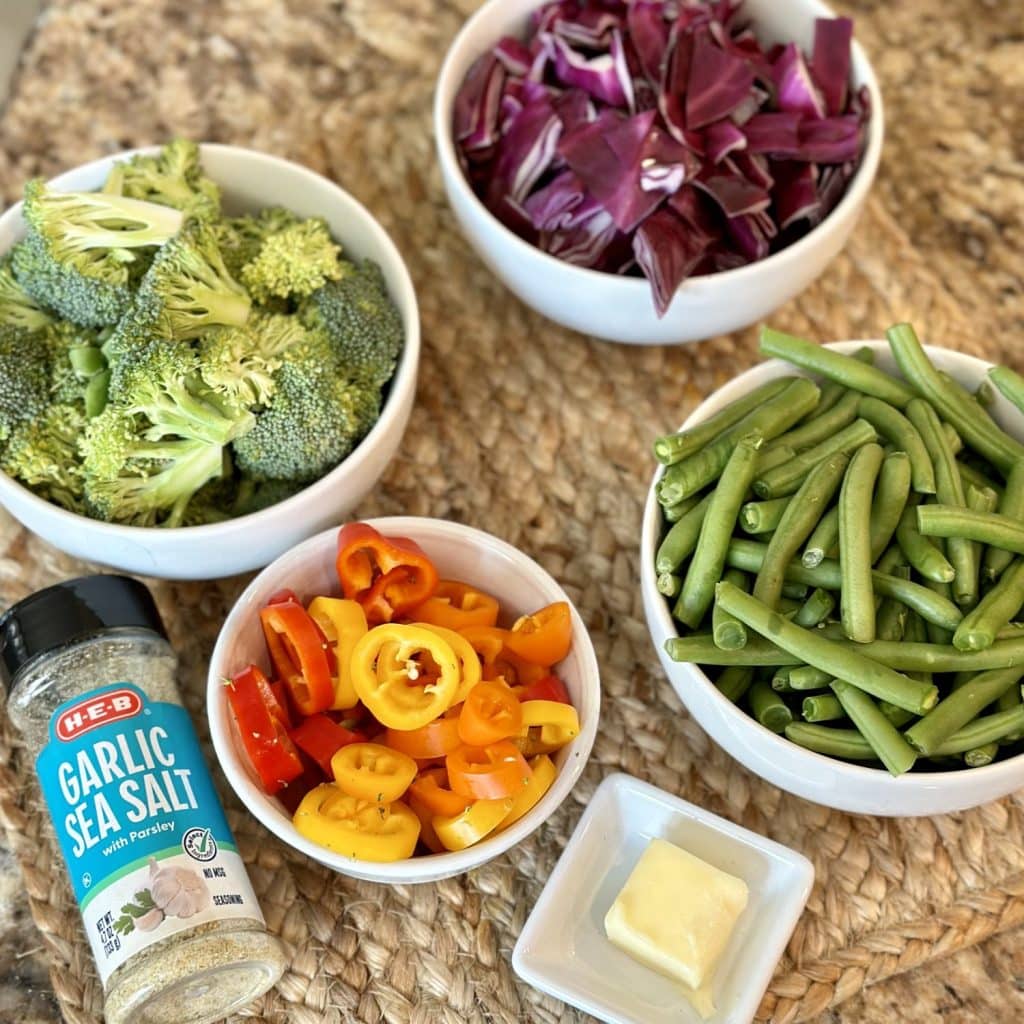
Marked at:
<point>675,914</point>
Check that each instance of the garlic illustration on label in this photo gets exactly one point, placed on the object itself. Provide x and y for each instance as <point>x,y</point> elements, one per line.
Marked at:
<point>172,892</point>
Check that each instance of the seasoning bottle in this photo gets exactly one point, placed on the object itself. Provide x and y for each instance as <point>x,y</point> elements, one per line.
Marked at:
<point>168,908</point>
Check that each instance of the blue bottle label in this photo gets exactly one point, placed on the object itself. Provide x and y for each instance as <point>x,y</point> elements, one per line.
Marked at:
<point>148,849</point>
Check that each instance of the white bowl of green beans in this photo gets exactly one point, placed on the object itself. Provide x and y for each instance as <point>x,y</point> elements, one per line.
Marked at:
<point>833,570</point>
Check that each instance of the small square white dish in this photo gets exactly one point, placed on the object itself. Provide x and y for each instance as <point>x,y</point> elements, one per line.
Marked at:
<point>563,949</point>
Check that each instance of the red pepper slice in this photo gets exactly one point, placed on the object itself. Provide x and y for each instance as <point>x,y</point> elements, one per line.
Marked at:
<point>321,739</point>
<point>283,711</point>
<point>271,752</point>
<point>299,655</point>
<point>548,688</point>
<point>283,596</point>
<point>386,575</point>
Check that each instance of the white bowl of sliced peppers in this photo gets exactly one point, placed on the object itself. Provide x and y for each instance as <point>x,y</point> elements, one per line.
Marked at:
<point>403,699</point>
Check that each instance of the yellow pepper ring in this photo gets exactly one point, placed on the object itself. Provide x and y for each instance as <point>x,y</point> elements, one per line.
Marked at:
<point>468,659</point>
<point>343,623</point>
<point>371,771</point>
<point>542,775</point>
<point>479,819</point>
<point>388,675</point>
<point>554,724</point>
<point>357,828</point>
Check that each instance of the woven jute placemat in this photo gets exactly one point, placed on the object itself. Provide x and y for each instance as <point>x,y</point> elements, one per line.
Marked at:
<point>528,431</point>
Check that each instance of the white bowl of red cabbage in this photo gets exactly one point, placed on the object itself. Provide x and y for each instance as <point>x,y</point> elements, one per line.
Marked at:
<point>657,172</point>
<point>208,355</point>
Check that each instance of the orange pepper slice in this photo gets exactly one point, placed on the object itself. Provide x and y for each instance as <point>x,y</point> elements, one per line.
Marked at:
<point>543,638</point>
<point>430,789</point>
<point>487,773</point>
<point>456,605</point>
<point>490,713</point>
<point>432,740</point>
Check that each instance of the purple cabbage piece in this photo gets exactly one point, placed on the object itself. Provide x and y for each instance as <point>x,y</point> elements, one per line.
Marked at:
<point>832,140</point>
<point>590,28</point>
<point>830,61</point>
<point>648,31</point>
<point>526,150</point>
<point>732,192</point>
<point>605,76</point>
<point>776,132</point>
<point>561,204</point>
<point>718,82</point>
<point>721,139</point>
<point>665,165</point>
<point>514,56</point>
<point>574,108</point>
<point>511,108</point>
<point>671,100</point>
<point>475,120</point>
<point>795,89</point>
<point>796,192</point>
<point>752,166</point>
<point>667,251</point>
<point>748,238</point>
<point>586,244</point>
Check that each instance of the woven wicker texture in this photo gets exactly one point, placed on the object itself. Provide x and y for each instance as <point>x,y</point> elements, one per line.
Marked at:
<point>541,437</point>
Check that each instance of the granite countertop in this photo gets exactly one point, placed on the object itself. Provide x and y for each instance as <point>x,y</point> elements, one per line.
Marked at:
<point>952,74</point>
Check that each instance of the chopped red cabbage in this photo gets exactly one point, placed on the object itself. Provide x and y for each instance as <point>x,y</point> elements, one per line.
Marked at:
<point>660,137</point>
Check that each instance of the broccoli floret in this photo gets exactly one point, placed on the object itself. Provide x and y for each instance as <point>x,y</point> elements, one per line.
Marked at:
<point>75,359</point>
<point>316,417</point>
<point>361,320</point>
<point>132,479</point>
<point>293,262</point>
<point>188,289</point>
<point>24,379</point>
<point>240,238</point>
<point>18,308</point>
<point>173,178</point>
<point>43,454</point>
<point>232,366</point>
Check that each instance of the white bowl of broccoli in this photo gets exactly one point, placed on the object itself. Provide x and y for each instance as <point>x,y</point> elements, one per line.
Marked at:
<point>207,354</point>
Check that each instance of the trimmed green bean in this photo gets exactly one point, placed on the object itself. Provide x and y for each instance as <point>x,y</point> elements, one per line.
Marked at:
<point>728,632</point>
<point>1011,504</point>
<point>966,524</point>
<point>895,427</point>
<point>786,478</point>
<point>735,681</point>
<point>981,756</point>
<point>767,460</point>
<point>979,499</point>
<point>831,392</point>
<point>891,493</point>
<point>891,620</point>
<point>794,591</point>
<point>831,364</point>
<point>898,716</point>
<point>815,609</point>
<point>762,516</point>
<point>982,624</point>
<point>821,707</point>
<point>962,706</point>
<point>892,749</point>
<point>823,539</point>
<point>708,560</point>
<point>953,439</point>
<point>920,552</point>
<point>675,447</point>
<point>673,513</point>
<point>806,677</point>
<point>799,519</point>
<point>768,708</point>
<point>681,540</point>
<point>1010,384</point>
<point>771,418</point>
<point>813,432</point>
<point>669,584</point>
<point>892,561</point>
<point>856,596</point>
<point>937,632</point>
<point>780,680</point>
<point>872,677</point>
<point>987,729</point>
<point>969,420</point>
<point>847,744</point>
<point>972,475</point>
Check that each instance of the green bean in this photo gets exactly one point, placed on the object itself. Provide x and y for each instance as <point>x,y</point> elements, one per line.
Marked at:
<point>1010,384</point>
<point>822,707</point>
<point>970,421</point>
<point>898,716</point>
<point>890,620</point>
<point>831,392</point>
<point>981,756</point>
<point>895,427</point>
<point>891,561</point>
<point>987,729</point>
<point>1007,702</point>
<point>892,749</point>
<point>985,394</point>
<point>848,744</point>
<point>891,493</point>
<point>856,596</point>
<point>771,418</point>
<point>787,478</point>
<point>799,519</point>
<point>920,552</point>
<point>937,632</point>
<point>815,609</point>
<point>835,366</point>
<point>949,490</point>
<point>953,440</point>
<point>963,705</point>
<point>700,649</point>
<point>780,680</point>
<point>1011,504</point>
<point>966,524</point>
<point>972,475</point>
<point>815,650</point>
<point>768,707</point>
<point>681,540</point>
<point>673,513</point>
<point>794,591</point>
<point>812,432</point>
<point>979,499</point>
<point>708,559</point>
<point>767,460</point>
<point>729,633</point>
<point>674,448</point>
<point>762,516</point>
<point>669,584</point>
<point>734,682</point>
<point>805,677</point>
<point>981,625</point>
<point>823,539</point>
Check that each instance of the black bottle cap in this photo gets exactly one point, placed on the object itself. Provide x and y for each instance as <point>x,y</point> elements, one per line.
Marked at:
<point>71,611</point>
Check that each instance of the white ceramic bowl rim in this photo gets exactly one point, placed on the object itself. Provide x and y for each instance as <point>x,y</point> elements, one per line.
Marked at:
<point>879,776</point>
<point>856,188</point>
<point>406,363</point>
<point>439,864</point>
